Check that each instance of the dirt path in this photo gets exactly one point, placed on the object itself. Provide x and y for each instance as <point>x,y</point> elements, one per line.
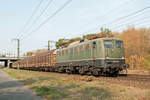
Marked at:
<point>11,89</point>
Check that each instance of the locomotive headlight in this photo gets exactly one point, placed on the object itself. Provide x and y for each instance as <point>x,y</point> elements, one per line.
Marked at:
<point>122,57</point>
<point>107,57</point>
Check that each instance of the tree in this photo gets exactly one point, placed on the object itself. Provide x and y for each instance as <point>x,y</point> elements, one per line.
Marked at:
<point>137,44</point>
<point>106,32</point>
<point>65,42</point>
<point>88,36</point>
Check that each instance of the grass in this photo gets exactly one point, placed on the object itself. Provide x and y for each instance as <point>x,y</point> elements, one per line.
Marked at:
<point>72,86</point>
<point>122,90</point>
<point>102,83</point>
<point>149,95</point>
<point>94,93</point>
<point>52,86</point>
<point>51,92</point>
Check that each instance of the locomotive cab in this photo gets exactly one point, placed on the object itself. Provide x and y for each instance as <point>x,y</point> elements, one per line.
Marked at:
<point>114,55</point>
<point>113,49</point>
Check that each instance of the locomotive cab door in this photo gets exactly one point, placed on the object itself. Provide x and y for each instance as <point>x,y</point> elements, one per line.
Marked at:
<point>109,48</point>
<point>94,52</point>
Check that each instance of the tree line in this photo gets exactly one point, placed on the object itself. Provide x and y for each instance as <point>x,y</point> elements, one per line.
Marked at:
<point>137,47</point>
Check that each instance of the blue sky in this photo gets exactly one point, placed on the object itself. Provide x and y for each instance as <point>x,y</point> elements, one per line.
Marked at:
<point>79,17</point>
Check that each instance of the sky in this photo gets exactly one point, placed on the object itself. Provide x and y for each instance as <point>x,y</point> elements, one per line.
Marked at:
<point>79,17</point>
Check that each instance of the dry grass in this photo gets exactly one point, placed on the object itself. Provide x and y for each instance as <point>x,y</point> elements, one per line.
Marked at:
<point>53,86</point>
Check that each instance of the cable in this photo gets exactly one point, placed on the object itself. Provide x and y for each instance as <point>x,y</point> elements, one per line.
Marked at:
<point>141,10</point>
<point>127,19</point>
<point>108,12</point>
<point>49,18</point>
<point>139,23</point>
<point>123,17</point>
<point>131,22</point>
<point>38,17</point>
<point>28,21</point>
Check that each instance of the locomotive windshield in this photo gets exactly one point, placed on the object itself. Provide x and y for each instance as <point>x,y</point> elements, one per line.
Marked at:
<point>108,43</point>
<point>119,44</point>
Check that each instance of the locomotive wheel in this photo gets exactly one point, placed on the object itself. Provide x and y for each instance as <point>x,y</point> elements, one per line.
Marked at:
<point>95,73</point>
<point>115,74</point>
<point>126,71</point>
<point>68,71</point>
<point>81,71</point>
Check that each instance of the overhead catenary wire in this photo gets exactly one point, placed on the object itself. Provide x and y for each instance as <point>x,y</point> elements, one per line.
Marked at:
<point>135,24</point>
<point>128,19</point>
<point>123,17</point>
<point>124,24</point>
<point>30,18</point>
<point>131,14</point>
<point>49,18</point>
<point>110,11</point>
<point>38,17</point>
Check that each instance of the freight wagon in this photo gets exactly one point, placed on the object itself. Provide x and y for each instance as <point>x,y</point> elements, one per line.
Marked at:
<point>43,61</point>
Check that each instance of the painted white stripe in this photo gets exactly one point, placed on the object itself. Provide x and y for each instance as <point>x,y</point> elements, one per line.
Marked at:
<point>89,59</point>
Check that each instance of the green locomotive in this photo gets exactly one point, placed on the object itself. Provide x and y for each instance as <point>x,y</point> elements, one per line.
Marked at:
<point>98,56</point>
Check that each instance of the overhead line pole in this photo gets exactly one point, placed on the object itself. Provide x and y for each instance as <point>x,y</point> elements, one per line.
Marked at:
<point>18,47</point>
<point>49,45</point>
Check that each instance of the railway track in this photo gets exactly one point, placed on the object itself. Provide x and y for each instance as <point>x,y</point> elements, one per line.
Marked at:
<point>134,77</point>
<point>140,81</point>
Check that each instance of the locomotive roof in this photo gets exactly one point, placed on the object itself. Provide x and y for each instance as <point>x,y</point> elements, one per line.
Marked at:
<point>91,41</point>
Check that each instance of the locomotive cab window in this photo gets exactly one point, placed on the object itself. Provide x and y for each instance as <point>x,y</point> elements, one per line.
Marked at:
<point>108,44</point>
<point>119,44</point>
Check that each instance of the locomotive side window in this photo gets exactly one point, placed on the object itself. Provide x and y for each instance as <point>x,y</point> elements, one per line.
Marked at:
<point>119,44</point>
<point>71,50</point>
<point>57,53</point>
<point>94,44</point>
<point>108,43</point>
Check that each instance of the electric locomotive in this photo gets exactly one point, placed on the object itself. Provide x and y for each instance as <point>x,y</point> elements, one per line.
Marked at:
<point>97,56</point>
